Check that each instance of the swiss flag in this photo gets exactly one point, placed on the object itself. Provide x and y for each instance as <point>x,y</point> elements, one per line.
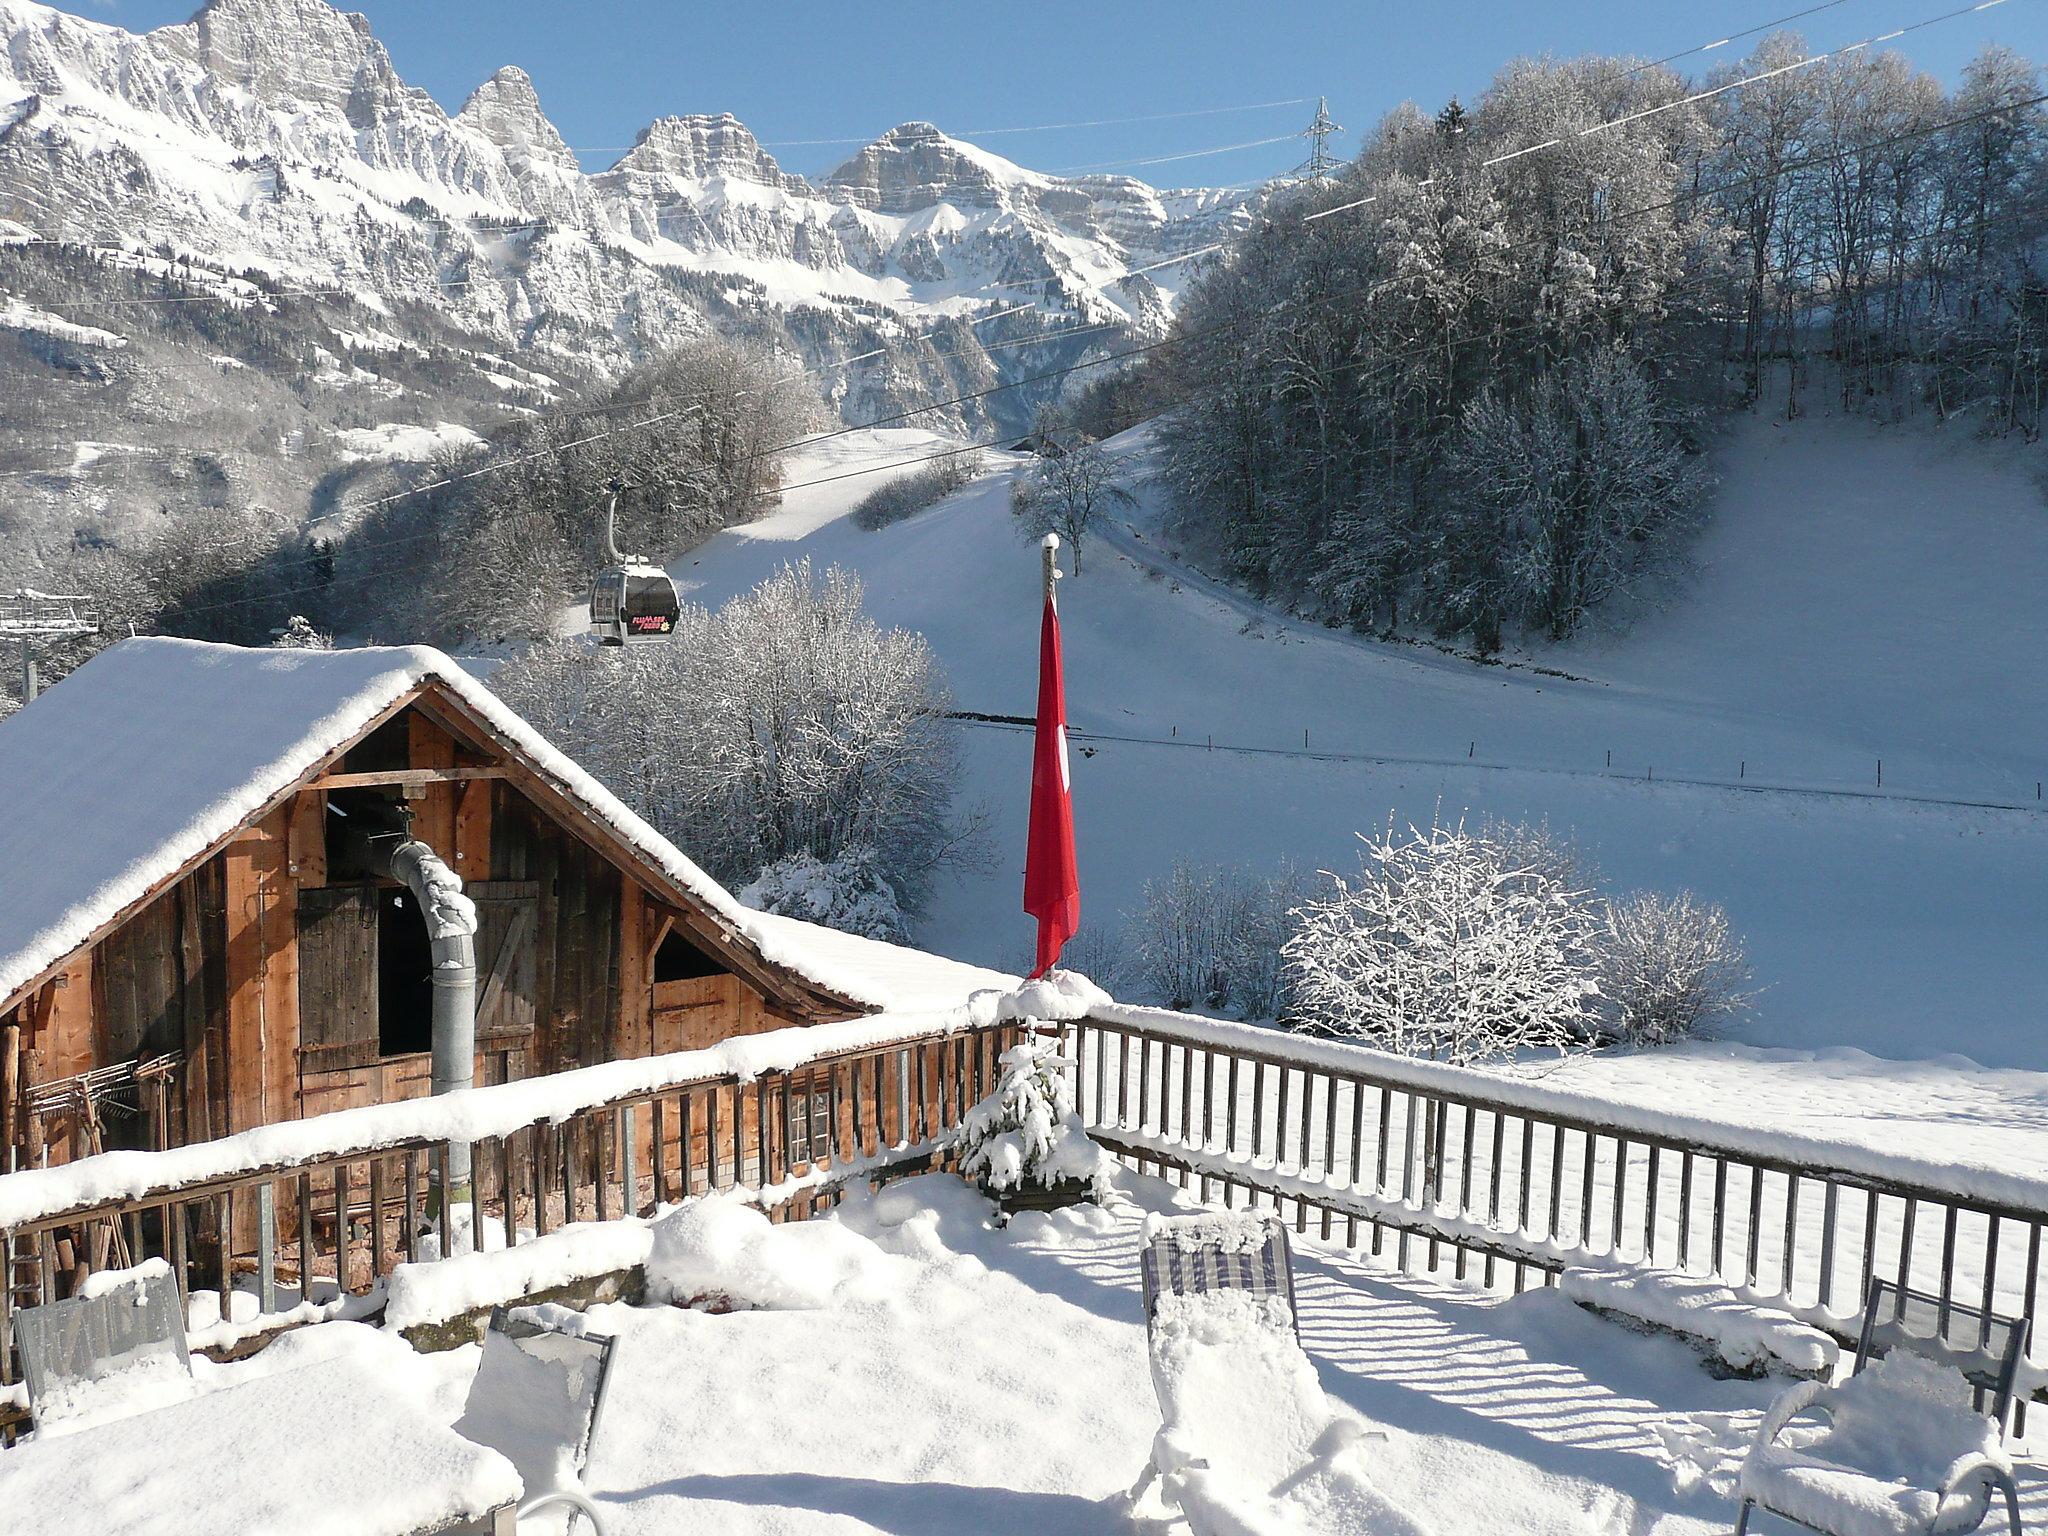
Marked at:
<point>1052,885</point>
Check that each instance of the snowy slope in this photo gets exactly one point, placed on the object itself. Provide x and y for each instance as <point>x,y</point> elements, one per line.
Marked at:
<point>1891,925</point>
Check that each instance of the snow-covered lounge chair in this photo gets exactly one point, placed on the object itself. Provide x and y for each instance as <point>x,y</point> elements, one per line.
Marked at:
<point>1250,1445</point>
<point>1905,1449</point>
<point>536,1398</point>
<point>123,1343</point>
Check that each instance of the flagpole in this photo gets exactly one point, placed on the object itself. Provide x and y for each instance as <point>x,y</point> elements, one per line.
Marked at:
<point>1051,547</point>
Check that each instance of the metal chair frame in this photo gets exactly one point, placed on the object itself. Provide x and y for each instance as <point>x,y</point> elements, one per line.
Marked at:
<point>515,1324</point>
<point>113,1323</point>
<point>1993,1372</point>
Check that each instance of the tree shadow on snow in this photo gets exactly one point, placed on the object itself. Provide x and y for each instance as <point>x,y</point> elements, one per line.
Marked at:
<point>901,1509</point>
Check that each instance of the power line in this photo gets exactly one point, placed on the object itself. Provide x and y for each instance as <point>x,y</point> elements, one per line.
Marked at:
<point>1143,350</point>
<point>1317,156</point>
<point>1732,37</point>
<point>1192,154</point>
<point>1381,362</point>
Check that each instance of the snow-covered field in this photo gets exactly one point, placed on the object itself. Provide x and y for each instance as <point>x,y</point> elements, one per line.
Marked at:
<point>1862,593</point>
<point>912,1370</point>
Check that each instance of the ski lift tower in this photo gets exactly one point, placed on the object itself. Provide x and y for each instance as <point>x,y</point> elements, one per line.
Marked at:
<point>37,618</point>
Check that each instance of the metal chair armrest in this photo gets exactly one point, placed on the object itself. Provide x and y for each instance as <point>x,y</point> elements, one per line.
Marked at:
<point>1971,1464</point>
<point>1808,1396</point>
<point>574,1500</point>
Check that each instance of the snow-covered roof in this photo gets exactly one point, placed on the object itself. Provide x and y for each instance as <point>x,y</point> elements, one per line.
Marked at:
<point>135,766</point>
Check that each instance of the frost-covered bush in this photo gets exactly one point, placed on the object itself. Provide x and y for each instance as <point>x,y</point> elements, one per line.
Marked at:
<point>1100,952</point>
<point>1209,936</point>
<point>1449,944</point>
<point>1026,1132</point>
<point>848,894</point>
<point>912,493</point>
<point>786,722</point>
<point>1669,964</point>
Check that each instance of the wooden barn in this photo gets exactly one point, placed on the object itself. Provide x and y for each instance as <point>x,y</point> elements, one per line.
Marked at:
<point>190,945</point>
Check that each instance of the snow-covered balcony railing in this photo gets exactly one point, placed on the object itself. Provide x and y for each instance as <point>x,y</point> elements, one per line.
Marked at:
<point>312,1214</point>
<point>1514,1178</point>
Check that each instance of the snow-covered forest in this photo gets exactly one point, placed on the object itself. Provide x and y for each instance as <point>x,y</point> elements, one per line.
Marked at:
<point>1468,385</point>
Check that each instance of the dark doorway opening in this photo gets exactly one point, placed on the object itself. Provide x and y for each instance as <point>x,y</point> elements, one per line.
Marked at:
<point>680,960</point>
<point>405,976</point>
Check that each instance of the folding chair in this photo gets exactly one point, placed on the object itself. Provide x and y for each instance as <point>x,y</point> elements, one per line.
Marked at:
<point>80,1354</point>
<point>1944,1460</point>
<point>537,1397</point>
<point>1198,1255</point>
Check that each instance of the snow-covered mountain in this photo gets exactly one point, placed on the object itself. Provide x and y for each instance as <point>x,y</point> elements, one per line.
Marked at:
<point>274,136</point>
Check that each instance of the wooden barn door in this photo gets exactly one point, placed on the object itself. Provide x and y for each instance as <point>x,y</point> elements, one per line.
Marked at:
<point>337,979</point>
<point>507,959</point>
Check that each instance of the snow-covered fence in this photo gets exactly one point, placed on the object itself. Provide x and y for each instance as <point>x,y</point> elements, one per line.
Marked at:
<point>1508,1181</point>
<point>303,1220</point>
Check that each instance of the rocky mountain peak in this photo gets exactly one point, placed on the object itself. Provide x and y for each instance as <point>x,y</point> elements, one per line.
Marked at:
<point>703,145</point>
<point>290,51</point>
<point>914,165</point>
<point>506,110</point>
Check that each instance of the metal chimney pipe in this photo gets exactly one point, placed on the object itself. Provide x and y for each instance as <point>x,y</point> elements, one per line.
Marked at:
<point>451,937</point>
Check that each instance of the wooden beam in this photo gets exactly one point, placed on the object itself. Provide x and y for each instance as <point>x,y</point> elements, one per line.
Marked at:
<point>66,1038</point>
<point>262,978</point>
<point>473,810</point>
<point>636,980</point>
<point>307,855</point>
<point>410,776</point>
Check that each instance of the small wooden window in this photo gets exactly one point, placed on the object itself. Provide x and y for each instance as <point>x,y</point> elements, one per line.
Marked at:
<point>810,1128</point>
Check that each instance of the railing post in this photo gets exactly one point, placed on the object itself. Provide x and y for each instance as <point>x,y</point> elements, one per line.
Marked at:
<point>266,1247</point>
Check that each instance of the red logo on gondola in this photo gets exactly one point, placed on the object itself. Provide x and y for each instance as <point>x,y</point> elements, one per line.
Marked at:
<point>650,623</point>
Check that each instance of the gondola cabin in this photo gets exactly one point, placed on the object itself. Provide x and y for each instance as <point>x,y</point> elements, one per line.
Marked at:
<point>633,603</point>
<point>191,946</point>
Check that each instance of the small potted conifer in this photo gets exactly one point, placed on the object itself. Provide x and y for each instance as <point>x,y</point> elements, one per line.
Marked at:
<point>1024,1145</point>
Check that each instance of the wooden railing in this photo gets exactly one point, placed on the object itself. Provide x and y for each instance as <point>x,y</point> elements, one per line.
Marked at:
<point>1508,1184</point>
<point>314,1234</point>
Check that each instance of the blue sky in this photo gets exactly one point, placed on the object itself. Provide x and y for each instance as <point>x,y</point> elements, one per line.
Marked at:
<point>806,70</point>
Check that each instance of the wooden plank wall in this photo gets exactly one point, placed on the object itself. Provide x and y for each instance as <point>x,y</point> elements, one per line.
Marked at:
<point>580,918</point>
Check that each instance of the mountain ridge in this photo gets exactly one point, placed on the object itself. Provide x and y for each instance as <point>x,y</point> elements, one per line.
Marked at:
<point>157,136</point>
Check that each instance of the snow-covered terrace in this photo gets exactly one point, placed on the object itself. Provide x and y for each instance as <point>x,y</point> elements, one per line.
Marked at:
<point>904,1367</point>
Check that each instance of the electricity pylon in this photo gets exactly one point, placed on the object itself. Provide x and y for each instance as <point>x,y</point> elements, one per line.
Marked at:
<point>1320,165</point>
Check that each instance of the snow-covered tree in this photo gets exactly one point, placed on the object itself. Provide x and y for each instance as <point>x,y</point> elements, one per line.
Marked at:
<point>1449,944</point>
<point>786,723</point>
<point>1026,1132</point>
<point>1072,481</point>
<point>1561,495</point>
<point>1669,965</point>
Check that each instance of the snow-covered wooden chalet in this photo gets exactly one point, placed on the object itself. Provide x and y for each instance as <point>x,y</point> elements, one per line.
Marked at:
<point>191,943</point>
